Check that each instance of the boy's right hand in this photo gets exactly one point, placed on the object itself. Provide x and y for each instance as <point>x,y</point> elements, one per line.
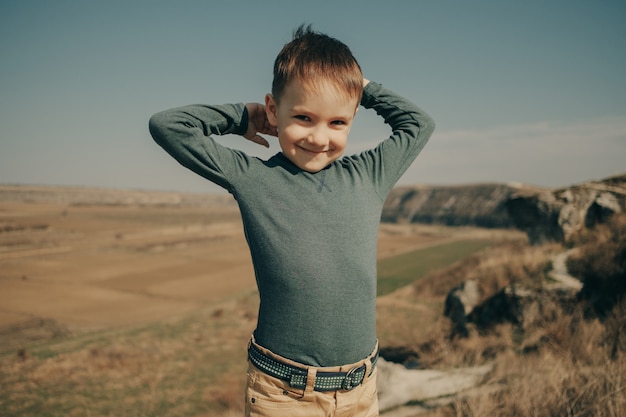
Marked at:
<point>258,124</point>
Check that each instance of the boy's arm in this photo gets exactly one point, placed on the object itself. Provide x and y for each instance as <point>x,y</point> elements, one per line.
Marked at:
<point>185,133</point>
<point>411,129</point>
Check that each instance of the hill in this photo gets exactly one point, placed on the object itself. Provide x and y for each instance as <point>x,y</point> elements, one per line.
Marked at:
<point>480,205</point>
<point>544,214</point>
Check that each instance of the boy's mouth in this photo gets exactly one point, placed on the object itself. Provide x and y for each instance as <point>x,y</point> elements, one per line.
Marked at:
<point>314,151</point>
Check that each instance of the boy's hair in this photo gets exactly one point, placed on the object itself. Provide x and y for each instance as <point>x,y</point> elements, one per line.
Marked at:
<point>312,57</point>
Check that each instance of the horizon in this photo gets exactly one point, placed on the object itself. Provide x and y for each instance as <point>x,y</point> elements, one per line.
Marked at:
<point>529,93</point>
<point>220,192</point>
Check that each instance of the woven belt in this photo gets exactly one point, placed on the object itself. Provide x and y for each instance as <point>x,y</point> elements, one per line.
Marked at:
<point>296,376</point>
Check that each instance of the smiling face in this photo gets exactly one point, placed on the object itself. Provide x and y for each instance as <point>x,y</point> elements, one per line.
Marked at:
<point>313,123</point>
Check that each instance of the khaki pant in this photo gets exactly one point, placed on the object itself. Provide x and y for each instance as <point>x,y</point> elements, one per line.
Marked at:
<point>267,396</point>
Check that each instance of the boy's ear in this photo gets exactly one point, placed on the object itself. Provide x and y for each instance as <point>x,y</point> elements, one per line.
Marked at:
<point>271,110</point>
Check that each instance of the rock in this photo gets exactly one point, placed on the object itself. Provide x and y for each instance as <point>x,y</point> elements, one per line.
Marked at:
<point>403,355</point>
<point>603,207</point>
<point>513,304</point>
<point>504,306</point>
<point>459,303</point>
<point>522,306</point>
<point>398,386</point>
<point>560,275</point>
<point>559,214</point>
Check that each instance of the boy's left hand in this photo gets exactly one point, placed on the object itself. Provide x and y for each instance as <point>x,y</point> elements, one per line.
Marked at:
<point>258,124</point>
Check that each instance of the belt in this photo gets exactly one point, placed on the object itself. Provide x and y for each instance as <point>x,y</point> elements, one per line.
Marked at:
<point>296,376</point>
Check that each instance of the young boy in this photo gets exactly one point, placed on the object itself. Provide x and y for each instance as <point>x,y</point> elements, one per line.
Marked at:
<point>310,218</point>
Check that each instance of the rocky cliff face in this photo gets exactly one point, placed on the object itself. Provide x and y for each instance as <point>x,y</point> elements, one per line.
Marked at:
<point>544,214</point>
<point>557,215</point>
<point>478,205</point>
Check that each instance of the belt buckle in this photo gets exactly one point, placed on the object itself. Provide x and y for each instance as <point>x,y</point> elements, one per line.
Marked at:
<point>347,384</point>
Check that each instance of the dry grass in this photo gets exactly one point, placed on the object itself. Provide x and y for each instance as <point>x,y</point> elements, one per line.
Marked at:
<point>196,366</point>
<point>186,367</point>
<point>601,264</point>
<point>560,369</point>
<point>417,310</point>
<point>566,363</point>
<point>571,374</point>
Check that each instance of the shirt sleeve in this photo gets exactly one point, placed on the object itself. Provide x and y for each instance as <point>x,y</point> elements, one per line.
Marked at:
<point>411,128</point>
<point>186,134</point>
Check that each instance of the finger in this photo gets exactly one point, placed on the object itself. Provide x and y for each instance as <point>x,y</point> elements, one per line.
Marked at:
<point>269,129</point>
<point>260,141</point>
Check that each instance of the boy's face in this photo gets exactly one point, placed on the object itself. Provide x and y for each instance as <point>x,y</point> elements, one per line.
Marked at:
<point>312,127</point>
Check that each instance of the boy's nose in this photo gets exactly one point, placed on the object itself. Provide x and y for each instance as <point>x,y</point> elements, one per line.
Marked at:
<point>318,138</point>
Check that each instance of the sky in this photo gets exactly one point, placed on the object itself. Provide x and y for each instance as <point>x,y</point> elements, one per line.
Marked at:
<point>522,91</point>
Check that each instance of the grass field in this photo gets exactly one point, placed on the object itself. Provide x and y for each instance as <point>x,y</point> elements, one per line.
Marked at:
<point>398,271</point>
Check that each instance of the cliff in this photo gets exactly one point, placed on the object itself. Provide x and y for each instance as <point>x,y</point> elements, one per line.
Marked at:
<point>558,215</point>
<point>482,205</point>
<point>544,214</point>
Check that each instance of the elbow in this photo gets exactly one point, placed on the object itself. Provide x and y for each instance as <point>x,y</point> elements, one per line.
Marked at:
<point>156,127</point>
<point>426,125</point>
<point>430,125</point>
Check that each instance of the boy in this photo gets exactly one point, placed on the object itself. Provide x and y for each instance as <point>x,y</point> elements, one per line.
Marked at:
<point>311,221</point>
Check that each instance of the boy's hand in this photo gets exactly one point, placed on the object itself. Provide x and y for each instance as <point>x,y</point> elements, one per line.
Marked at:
<point>258,123</point>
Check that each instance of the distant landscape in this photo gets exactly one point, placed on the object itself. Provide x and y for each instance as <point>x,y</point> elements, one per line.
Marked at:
<point>133,303</point>
<point>99,259</point>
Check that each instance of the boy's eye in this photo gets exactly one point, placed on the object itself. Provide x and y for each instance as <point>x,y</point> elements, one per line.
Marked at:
<point>339,124</point>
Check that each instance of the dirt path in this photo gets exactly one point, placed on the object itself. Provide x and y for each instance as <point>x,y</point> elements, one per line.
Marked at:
<point>560,274</point>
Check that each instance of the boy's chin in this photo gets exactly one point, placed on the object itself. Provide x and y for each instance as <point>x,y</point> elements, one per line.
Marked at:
<point>312,168</point>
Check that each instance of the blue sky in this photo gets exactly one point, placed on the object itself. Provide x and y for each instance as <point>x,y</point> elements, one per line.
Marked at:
<point>531,91</point>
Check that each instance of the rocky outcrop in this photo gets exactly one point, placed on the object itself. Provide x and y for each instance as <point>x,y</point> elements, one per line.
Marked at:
<point>557,215</point>
<point>398,385</point>
<point>459,304</point>
<point>545,215</point>
<point>523,307</point>
<point>407,392</point>
<point>480,205</point>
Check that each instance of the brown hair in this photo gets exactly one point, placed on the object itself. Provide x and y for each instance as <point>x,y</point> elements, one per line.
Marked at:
<point>313,57</point>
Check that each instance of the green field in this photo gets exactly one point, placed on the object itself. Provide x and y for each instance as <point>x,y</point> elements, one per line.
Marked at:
<point>401,270</point>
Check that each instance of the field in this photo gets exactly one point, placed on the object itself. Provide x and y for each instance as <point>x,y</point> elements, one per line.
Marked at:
<point>131,304</point>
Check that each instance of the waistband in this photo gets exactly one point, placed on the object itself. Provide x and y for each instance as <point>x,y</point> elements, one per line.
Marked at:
<point>326,379</point>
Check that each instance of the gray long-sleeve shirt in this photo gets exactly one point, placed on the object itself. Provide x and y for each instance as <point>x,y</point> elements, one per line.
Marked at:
<point>312,236</point>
